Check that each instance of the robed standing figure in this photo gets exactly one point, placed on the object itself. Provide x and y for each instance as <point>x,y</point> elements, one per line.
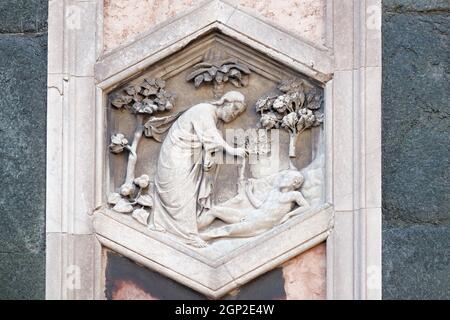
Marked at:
<point>184,178</point>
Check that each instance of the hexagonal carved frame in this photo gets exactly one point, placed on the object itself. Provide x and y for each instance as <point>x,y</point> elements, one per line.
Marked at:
<point>213,278</point>
<point>350,219</point>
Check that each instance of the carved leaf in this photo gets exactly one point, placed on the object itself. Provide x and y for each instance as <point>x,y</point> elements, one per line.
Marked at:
<point>119,138</point>
<point>133,90</point>
<point>114,148</point>
<point>198,80</point>
<point>169,105</point>
<point>142,181</point>
<point>141,215</point>
<point>242,68</point>
<point>118,143</point>
<point>236,82</point>
<point>137,106</point>
<point>219,77</point>
<point>213,71</point>
<point>145,200</point>
<point>196,73</point>
<point>114,198</point>
<point>123,206</point>
<point>319,119</point>
<point>235,73</point>
<point>160,83</point>
<point>127,99</point>
<point>150,81</point>
<point>315,105</point>
<point>127,189</point>
<point>226,68</point>
<point>290,121</point>
<point>118,102</point>
<point>150,91</point>
<point>301,124</point>
<point>203,65</point>
<point>207,77</point>
<point>269,120</point>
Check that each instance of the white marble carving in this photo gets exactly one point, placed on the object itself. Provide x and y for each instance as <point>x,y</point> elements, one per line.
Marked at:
<point>217,69</point>
<point>184,178</point>
<point>296,110</point>
<point>178,200</point>
<point>143,100</point>
<point>257,215</point>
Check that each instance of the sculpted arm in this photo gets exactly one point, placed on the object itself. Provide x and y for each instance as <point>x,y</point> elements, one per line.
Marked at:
<point>299,199</point>
<point>251,197</point>
<point>211,137</point>
<point>301,202</point>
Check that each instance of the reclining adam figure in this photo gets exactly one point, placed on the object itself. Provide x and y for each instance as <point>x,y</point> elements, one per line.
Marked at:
<point>274,210</point>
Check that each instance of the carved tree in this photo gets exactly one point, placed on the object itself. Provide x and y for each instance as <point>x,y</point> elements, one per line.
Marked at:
<point>218,70</point>
<point>295,110</point>
<point>143,100</point>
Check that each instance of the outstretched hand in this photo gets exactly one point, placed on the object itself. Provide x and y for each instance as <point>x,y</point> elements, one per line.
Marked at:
<point>240,152</point>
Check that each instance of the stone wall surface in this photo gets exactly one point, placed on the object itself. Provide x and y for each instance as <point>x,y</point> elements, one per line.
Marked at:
<point>416,152</point>
<point>23,69</point>
<point>125,19</point>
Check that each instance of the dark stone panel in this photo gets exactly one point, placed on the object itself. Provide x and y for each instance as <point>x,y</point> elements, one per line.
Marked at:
<point>416,149</point>
<point>416,5</point>
<point>416,262</point>
<point>416,117</point>
<point>121,271</point>
<point>23,16</point>
<point>123,275</point>
<point>269,286</point>
<point>23,68</point>
<point>22,276</point>
<point>23,130</point>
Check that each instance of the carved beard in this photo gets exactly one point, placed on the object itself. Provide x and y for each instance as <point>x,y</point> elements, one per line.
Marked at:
<point>226,117</point>
<point>226,113</point>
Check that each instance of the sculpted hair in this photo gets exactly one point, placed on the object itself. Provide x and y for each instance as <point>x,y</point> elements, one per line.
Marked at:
<point>231,96</point>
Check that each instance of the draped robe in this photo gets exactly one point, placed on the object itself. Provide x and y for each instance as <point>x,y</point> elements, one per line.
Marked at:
<point>182,187</point>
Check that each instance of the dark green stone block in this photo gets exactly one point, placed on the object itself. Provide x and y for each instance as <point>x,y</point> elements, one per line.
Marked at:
<point>416,262</point>
<point>23,16</point>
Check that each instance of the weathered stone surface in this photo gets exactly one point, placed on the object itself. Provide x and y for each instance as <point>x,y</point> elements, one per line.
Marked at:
<point>23,125</point>
<point>416,262</point>
<point>23,16</point>
<point>126,19</point>
<point>125,280</point>
<point>301,278</point>
<point>416,116</point>
<point>22,165</point>
<point>22,276</point>
<point>305,275</point>
<point>416,139</point>
<point>415,5</point>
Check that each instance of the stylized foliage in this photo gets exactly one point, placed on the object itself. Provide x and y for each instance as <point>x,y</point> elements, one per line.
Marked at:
<point>297,109</point>
<point>147,98</point>
<point>143,100</point>
<point>228,70</point>
<point>217,69</point>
